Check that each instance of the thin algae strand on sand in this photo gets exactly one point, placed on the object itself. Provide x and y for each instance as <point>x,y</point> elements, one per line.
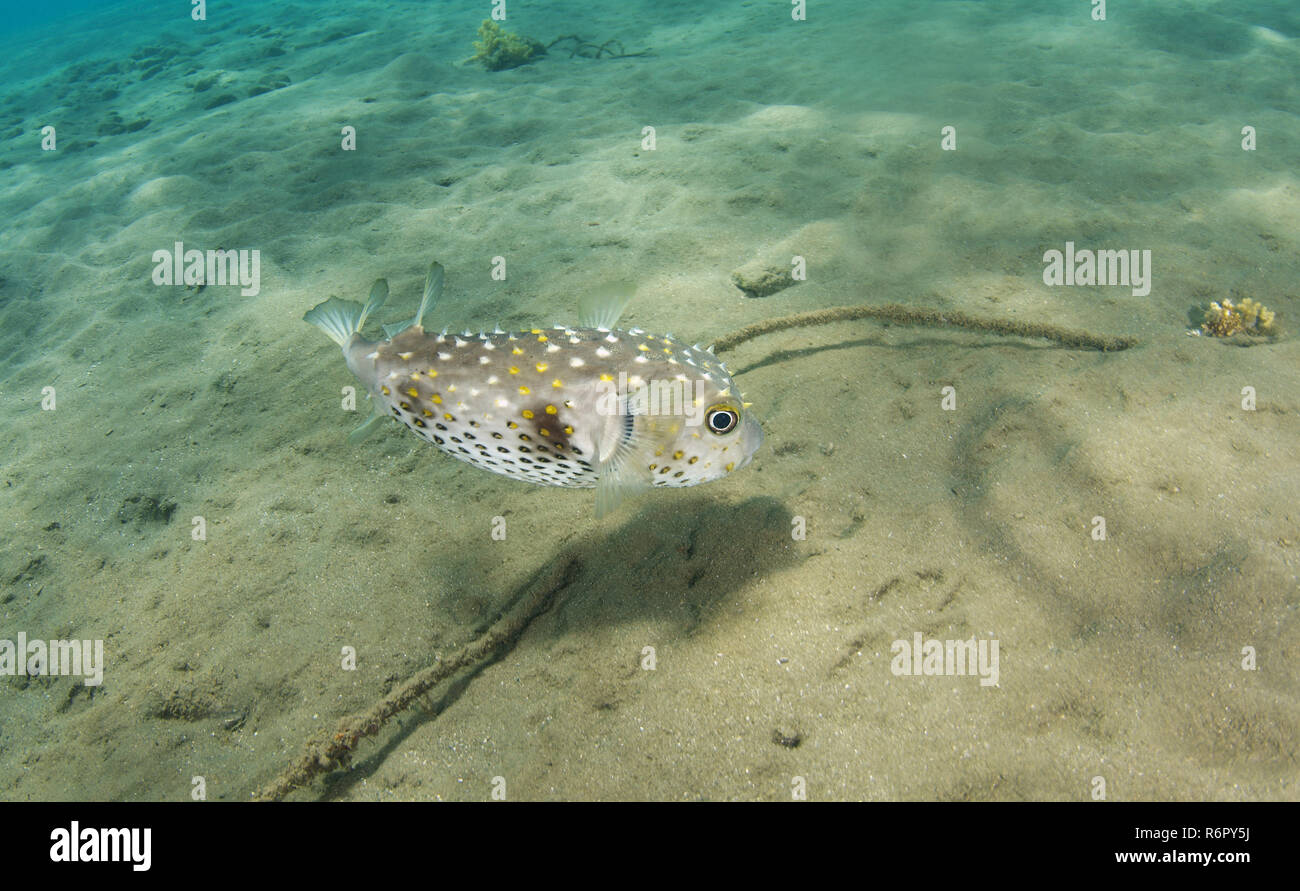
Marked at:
<point>929,318</point>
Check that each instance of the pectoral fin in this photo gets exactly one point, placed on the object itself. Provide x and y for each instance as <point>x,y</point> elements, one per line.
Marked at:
<point>622,465</point>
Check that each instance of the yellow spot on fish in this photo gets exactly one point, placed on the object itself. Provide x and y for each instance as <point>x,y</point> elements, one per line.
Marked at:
<point>406,406</point>
<point>693,459</point>
<point>527,413</point>
<point>415,394</point>
<point>544,432</point>
<point>536,330</point>
<point>436,399</point>
<point>512,425</point>
<point>556,383</point>
<point>731,465</point>
<point>568,429</point>
<point>541,338</point>
<point>551,409</point>
<point>643,348</point>
<point>517,352</point>
<point>405,357</point>
<point>448,416</point>
<point>426,412</point>
<point>678,454</point>
<point>385,391</point>
<point>524,390</point>
<point>653,466</point>
<point>607,377</point>
<point>514,369</point>
<point>541,367</point>
<point>432,372</point>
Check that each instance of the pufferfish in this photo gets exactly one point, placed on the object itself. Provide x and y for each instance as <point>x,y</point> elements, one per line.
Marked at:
<point>586,406</point>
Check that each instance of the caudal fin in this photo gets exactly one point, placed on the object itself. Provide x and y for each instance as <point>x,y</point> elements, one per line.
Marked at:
<point>340,319</point>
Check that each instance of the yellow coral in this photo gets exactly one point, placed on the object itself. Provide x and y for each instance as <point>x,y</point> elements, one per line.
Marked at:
<point>499,49</point>
<point>1227,319</point>
<point>1256,315</point>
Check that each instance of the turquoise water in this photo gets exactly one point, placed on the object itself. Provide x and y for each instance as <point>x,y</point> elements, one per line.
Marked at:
<point>179,484</point>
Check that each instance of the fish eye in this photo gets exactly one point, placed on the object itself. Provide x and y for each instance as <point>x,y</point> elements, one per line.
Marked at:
<point>721,419</point>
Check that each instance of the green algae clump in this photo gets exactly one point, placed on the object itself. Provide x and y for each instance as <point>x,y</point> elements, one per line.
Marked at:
<point>499,49</point>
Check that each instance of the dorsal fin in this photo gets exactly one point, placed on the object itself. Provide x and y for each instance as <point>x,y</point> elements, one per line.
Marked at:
<point>432,290</point>
<point>603,306</point>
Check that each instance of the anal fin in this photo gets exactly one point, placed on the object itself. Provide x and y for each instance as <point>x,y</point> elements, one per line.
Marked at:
<point>369,426</point>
